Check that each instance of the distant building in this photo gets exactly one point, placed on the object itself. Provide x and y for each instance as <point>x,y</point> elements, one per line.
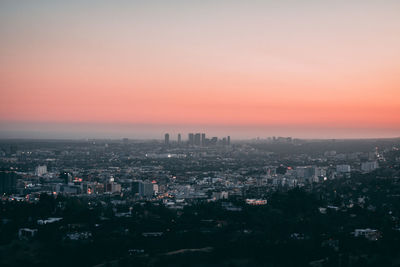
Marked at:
<point>220,195</point>
<point>153,234</point>
<point>40,170</point>
<point>331,153</point>
<point>66,177</point>
<point>12,150</point>
<point>370,234</point>
<point>8,182</point>
<point>344,168</point>
<point>369,166</point>
<point>179,139</point>
<point>191,139</point>
<point>70,189</point>
<point>203,139</point>
<point>148,189</point>
<point>49,220</point>
<point>214,141</point>
<point>98,188</point>
<point>305,172</point>
<point>319,171</point>
<point>26,233</point>
<point>224,141</point>
<point>229,141</point>
<point>166,139</point>
<point>256,202</point>
<point>112,187</point>
<point>155,188</point>
<point>143,189</point>
<point>197,139</point>
<point>310,173</point>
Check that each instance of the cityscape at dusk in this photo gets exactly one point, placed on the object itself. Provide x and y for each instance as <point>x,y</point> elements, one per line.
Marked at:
<point>307,69</point>
<point>194,133</point>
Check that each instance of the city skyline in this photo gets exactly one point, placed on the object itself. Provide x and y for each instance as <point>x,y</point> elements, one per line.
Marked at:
<point>261,68</point>
<point>57,130</point>
<point>199,133</point>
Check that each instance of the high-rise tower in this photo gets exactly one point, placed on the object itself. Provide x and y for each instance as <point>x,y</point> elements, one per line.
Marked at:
<point>166,139</point>
<point>197,139</point>
<point>179,139</point>
<point>191,139</point>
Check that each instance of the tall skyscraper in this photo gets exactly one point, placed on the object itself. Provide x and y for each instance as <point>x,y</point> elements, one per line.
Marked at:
<point>197,139</point>
<point>166,139</point>
<point>191,139</point>
<point>203,139</point>
<point>229,140</point>
<point>179,139</point>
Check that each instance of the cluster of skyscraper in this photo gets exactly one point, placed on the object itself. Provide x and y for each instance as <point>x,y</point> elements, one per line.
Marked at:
<point>199,139</point>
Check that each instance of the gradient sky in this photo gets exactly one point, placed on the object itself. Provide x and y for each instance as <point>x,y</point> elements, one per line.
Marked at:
<point>245,68</point>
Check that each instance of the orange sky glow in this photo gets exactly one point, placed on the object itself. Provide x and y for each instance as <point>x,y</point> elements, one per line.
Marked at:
<point>332,67</point>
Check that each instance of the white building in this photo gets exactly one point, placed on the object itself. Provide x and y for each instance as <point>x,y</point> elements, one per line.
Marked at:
<point>40,170</point>
<point>155,188</point>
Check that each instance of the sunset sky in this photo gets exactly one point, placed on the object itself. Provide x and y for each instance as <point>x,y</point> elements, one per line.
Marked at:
<point>309,69</point>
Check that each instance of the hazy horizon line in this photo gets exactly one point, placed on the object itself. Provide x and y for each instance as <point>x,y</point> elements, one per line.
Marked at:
<point>161,139</point>
<point>152,131</point>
